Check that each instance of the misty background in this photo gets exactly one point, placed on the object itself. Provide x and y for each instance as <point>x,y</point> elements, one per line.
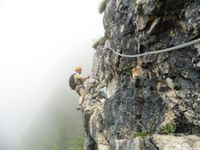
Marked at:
<point>40,43</point>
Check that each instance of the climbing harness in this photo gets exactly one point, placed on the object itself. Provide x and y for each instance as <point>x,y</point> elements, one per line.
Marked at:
<point>159,51</point>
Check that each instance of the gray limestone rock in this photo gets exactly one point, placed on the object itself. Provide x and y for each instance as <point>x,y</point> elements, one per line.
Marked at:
<point>156,93</point>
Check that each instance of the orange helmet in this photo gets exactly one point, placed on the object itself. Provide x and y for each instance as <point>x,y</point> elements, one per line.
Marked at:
<point>77,68</point>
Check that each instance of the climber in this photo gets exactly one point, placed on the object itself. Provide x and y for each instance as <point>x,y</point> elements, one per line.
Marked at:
<point>76,83</point>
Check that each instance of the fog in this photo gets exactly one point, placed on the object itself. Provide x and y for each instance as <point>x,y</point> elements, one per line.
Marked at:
<point>40,43</point>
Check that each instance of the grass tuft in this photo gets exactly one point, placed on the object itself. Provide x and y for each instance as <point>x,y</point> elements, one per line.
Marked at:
<point>168,128</point>
<point>141,134</point>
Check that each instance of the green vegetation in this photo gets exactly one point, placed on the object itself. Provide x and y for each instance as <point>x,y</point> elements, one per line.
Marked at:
<point>107,80</point>
<point>135,2</point>
<point>56,125</point>
<point>100,42</point>
<point>54,147</point>
<point>127,68</point>
<point>102,6</point>
<point>76,143</point>
<point>141,134</point>
<point>168,128</point>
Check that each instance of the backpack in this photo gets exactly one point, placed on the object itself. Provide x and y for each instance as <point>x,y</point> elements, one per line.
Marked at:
<point>72,83</point>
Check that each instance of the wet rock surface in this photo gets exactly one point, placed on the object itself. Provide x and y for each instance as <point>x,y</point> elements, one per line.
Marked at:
<point>131,95</point>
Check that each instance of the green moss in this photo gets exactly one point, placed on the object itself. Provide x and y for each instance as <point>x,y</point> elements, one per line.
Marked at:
<point>100,42</point>
<point>103,5</point>
<point>141,134</point>
<point>127,68</point>
<point>168,128</point>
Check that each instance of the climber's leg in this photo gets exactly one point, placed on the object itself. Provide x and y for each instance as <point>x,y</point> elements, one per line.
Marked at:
<point>81,98</point>
<point>82,95</point>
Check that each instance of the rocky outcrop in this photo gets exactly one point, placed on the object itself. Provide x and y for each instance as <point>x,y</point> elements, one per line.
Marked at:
<point>156,94</point>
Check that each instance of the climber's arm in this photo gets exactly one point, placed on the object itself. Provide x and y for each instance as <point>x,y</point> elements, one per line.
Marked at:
<point>84,78</point>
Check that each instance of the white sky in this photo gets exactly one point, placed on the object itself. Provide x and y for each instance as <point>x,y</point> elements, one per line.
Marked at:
<point>40,43</point>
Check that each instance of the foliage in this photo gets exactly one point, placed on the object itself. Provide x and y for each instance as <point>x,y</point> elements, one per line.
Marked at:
<point>102,6</point>
<point>76,143</point>
<point>135,2</point>
<point>100,42</point>
<point>141,134</point>
<point>128,68</point>
<point>168,128</point>
<point>54,147</point>
<point>56,123</point>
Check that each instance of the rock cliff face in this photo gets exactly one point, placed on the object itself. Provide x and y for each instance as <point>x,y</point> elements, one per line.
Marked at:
<point>151,102</point>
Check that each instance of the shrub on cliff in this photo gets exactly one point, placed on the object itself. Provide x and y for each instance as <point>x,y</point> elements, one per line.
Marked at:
<point>100,42</point>
<point>103,5</point>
